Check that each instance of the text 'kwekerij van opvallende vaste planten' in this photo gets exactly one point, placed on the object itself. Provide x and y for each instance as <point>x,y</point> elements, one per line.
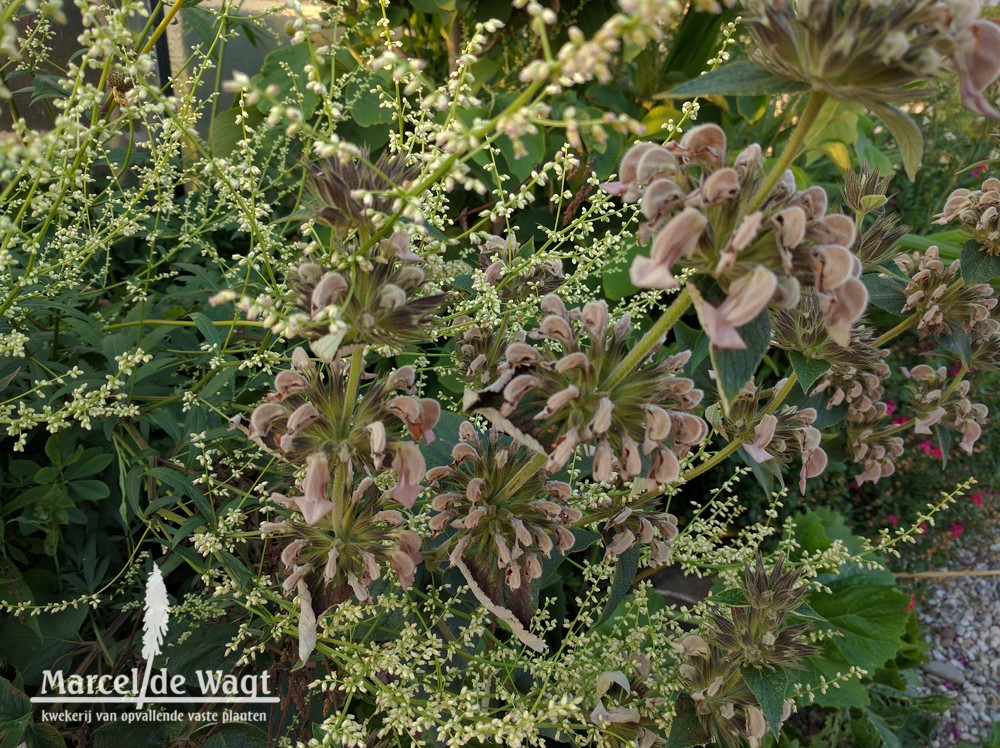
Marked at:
<point>441,372</point>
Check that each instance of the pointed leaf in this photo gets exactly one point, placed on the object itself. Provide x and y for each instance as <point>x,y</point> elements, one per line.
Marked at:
<point>685,730</point>
<point>735,368</point>
<point>907,134</point>
<point>883,292</point>
<point>741,78</point>
<point>625,569</point>
<point>768,686</point>
<point>978,266</point>
<point>808,370</point>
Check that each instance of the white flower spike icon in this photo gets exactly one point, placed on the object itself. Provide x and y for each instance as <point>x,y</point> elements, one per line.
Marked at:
<point>154,625</point>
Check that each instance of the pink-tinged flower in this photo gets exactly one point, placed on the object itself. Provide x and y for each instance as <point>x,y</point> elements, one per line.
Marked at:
<point>893,519</point>
<point>957,528</point>
<point>747,298</point>
<point>913,603</point>
<point>890,407</point>
<point>977,498</point>
<point>936,453</point>
<point>900,420</point>
<point>677,239</point>
<point>927,446</point>
<point>315,505</point>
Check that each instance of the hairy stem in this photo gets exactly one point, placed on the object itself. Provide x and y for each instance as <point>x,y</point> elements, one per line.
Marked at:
<point>650,340</point>
<point>808,118</point>
<point>530,468</point>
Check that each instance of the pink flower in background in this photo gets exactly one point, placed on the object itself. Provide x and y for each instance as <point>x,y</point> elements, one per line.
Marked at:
<point>977,498</point>
<point>890,407</point>
<point>893,519</point>
<point>900,419</point>
<point>921,529</point>
<point>930,448</point>
<point>977,172</point>
<point>957,528</point>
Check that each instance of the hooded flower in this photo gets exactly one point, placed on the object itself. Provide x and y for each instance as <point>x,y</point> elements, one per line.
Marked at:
<point>772,437</point>
<point>306,420</point>
<point>503,531</point>
<point>380,299</point>
<point>698,214</point>
<point>341,556</point>
<point>557,396</point>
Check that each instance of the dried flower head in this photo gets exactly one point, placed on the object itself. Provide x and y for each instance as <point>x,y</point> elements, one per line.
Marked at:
<point>500,527</point>
<point>349,192</point>
<point>381,299</point>
<point>698,211</point>
<point>855,373</point>
<point>308,418</point>
<point>977,212</point>
<point>754,634</point>
<point>945,304</point>
<point>875,52</point>
<point>555,396</point>
<point>480,351</point>
<point>516,277</point>
<point>342,554</point>
<point>946,407</point>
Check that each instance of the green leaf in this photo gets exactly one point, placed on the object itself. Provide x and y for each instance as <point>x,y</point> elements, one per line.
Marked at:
<point>944,442</point>
<point>906,132</point>
<point>808,370</point>
<point>235,735</point>
<point>870,615</point>
<point>15,714</point>
<point>438,452</point>
<point>625,569</point>
<point>740,78</point>
<point>735,368</point>
<point>888,735</point>
<point>978,266</point>
<point>768,686</point>
<point>850,693</point>
<point>958,342</point>
<point>93,462</point>
<point>211,333</point>
<point>690,339</point>
<point>885,293</point>
<point>685,730</point>
<point>279,68</point>
<point>730,597</point>
<point>615,276</point>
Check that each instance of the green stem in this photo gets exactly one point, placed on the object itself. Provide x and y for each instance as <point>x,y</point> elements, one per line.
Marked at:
<point>808,118</point>
<point>527,471</point>
<point>342,510</point>
<point>182,323</point>
<point>898,330</point>
<point>649,341</point>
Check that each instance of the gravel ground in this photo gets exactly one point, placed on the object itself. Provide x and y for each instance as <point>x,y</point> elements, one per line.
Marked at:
<point>961,620</point>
